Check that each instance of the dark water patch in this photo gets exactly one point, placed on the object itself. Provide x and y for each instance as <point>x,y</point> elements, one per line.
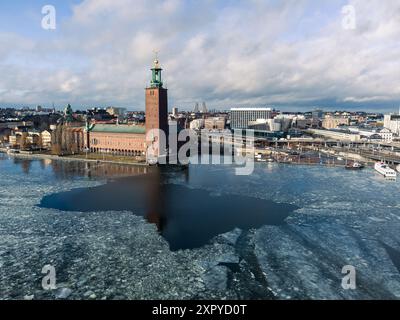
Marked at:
<point>187,218</point>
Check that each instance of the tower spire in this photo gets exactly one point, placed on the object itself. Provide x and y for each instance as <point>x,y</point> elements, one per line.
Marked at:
<point>156,81</point>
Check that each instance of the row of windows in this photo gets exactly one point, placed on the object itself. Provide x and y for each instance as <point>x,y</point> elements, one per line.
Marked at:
<point>241,119</point>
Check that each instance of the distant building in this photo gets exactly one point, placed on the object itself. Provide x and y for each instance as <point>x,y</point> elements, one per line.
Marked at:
<point>175,112</point>
<point>197,124</point>
<point>392,123</point>
<point>335,122</point>
<point>241,117</point>
<point>14,124</point>
<point>117,112</point>
<point>196,108</point>
<point>386,135</point>
<point>30,140</point>
<point>46,139</point>
<point>101,116</point>
<point>317,114</point>
<point>269,125</point>
<point>216,123</point>
<point>204,108</point>
<point>337,135</point>
<point>301,122</point>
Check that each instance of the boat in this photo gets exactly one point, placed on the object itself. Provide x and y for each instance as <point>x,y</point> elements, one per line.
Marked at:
<point>385,170</point>
<point>262,158</point>
<point>398,168</point>
<point>355,166</point>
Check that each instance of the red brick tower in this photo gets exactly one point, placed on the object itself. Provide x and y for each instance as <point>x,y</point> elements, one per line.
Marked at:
<point>157,111</point>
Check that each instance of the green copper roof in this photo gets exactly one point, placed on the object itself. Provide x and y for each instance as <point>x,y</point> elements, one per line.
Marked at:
<point>111,128</point>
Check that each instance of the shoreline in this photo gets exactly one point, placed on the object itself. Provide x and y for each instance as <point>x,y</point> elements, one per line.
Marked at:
<point>41,156</point>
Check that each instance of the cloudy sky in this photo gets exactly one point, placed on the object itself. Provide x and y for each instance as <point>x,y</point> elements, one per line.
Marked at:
<point>293,54</point>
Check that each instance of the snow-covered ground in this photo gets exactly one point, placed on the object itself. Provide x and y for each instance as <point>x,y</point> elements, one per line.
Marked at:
<point>345,218</point>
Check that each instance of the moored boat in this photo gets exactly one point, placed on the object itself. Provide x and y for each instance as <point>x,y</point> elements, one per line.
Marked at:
<point>355,166</point>
<point>385,170</point>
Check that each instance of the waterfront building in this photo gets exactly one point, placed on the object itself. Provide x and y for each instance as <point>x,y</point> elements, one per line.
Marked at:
<point>241,117</point>
<point>46,139</point>
<point>124,140</point>
<point>30,139</point>
<point>157,113</point>
<point>130,140</point>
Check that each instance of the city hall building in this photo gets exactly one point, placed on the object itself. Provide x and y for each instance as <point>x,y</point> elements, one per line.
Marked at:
<point>130,140</point>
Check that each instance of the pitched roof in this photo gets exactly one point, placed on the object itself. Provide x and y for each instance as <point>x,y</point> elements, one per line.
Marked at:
<point>111,128</point>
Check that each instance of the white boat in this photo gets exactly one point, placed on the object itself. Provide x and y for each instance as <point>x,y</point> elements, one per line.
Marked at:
<point>398,168</point>
<point>385,170</point>
<point>355,166</point>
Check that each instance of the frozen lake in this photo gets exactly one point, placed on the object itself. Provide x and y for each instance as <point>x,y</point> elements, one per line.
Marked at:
<point>284,232</point>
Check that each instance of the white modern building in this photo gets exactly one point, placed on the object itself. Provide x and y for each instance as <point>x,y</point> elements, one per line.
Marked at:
<point>386,135</point>
<point>337,135</point>
<point>392,122</point>
<point>241,117</point>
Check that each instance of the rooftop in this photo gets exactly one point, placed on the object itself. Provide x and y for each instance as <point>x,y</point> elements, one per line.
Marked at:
<point>251,109</point>
<point>110,128</point>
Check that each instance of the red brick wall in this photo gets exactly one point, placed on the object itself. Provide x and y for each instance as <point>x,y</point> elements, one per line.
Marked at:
<point>157,111</point>
<point>118,141</point>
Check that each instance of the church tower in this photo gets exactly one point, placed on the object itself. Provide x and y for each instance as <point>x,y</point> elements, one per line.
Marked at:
<point>157,110</point>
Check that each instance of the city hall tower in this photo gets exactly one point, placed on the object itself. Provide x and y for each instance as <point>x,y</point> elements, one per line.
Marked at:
<point>157,111</point>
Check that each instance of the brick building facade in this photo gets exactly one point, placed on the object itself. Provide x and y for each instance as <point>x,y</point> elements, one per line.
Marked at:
<point>130,140</point>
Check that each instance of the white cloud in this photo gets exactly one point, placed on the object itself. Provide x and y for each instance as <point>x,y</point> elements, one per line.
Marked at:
<point>249,52</point>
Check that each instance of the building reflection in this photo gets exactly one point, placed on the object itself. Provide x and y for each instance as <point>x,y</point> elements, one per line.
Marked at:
<point>157,195</point>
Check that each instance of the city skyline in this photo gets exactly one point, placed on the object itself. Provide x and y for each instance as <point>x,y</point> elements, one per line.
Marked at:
<point>291,55</point>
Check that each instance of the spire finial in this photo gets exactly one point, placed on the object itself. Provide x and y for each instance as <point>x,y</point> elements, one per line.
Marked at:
<point>156,61</point>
